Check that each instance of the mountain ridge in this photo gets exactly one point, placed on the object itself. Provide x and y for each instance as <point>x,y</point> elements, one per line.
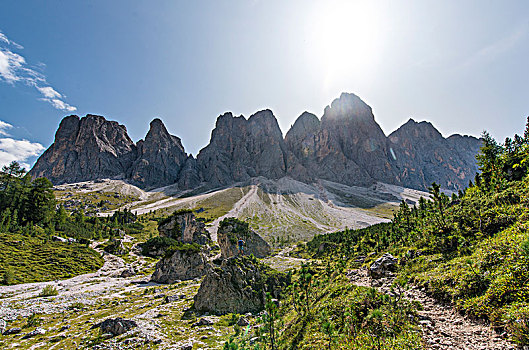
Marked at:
<point>346,146</point>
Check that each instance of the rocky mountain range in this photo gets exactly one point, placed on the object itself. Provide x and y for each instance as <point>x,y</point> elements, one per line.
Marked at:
<point>345,146</point>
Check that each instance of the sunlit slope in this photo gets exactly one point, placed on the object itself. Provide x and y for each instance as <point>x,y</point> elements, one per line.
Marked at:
<point>282,211</point>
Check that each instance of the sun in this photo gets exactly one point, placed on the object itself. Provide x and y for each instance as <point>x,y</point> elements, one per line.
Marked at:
<point>346,38</point>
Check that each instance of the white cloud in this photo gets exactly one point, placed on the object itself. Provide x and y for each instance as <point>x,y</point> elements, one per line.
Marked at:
<point>19,151</point>
<point>3,127</point>
<point>10,65</point>
<point>4,39</point>
<point>59,104</point>
<point>49,92</point>
<point>13,68</point>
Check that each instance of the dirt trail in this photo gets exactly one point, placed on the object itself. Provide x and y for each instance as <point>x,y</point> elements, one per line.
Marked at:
<point>442,326</point>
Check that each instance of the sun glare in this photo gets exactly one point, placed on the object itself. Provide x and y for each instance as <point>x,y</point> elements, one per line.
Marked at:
<point>346,39</point>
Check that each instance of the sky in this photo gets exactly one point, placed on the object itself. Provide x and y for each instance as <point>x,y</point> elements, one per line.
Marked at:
<point>462,65</point>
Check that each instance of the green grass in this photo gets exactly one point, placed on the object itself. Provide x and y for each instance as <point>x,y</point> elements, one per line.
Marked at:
<point>32,259</point>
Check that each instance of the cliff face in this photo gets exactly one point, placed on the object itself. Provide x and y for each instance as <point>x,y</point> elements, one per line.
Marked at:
<point>346,146</point>
<point>423,155</point>
<point>86,149</point>
<point>242,148</point>
<point>161,157</point>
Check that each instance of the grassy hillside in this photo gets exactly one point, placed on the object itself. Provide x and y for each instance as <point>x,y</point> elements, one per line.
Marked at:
<point>471,250</point>
<point>30,259</point>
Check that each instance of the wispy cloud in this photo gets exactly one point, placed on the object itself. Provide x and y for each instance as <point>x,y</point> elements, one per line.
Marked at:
<point>3,127</point>
<point>499,47</point>
<point>4,39</point>
<point>15,69</point>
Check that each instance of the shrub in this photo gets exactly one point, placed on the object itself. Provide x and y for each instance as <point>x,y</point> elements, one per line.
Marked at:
<point>8,277</point>
<point>48,291</point>
<point>32,321</point>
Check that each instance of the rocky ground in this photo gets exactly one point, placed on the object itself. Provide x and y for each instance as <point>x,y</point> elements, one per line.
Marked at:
<point>442,327</point>
<point>66,320</point>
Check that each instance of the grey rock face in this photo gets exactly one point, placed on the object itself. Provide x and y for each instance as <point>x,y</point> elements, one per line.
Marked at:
<point>383,265</point>
<point>231,231</point>
<point>161,157</point>
<point>241,149</point>
<point>239,285</point>
<point>185,264</point>
<point>3,326</point>
<point>347,146</point>
<point>86,149</point>
<point>423,155</point>
<point>183,227</point>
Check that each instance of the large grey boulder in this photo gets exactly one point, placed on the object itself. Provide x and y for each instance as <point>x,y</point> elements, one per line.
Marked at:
<point>116,326</point>
<point>182,263</point>
<point>384,265</point>
<point>238,285</point>
<point>183,227</point>
<point>231,230</point>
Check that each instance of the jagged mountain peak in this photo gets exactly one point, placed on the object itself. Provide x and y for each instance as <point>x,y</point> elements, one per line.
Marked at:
<point>346,146</point>
<point>422,129</point>
<point>348,106</point>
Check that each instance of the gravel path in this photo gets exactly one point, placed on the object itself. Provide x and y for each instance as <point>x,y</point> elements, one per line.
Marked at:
<point>442,326</point>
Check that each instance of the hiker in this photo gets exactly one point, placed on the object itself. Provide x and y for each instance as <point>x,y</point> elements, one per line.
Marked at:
<point>241,246</point>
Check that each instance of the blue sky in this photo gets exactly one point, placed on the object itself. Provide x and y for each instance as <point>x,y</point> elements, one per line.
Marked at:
<point>460,64</point>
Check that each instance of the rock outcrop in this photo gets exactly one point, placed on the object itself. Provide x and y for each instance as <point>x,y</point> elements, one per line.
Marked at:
<point>239,286</point>
<point>231,230</point>
<point>183,263</point>
<point>183,227</point>
<point>346,146</point>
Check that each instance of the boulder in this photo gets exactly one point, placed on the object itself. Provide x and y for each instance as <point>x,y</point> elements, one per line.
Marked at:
<point>242,322</point>
<point>183,227</point>
<point>182,263</point>
<point>239,285</point>
<point>204,321</point>
<point>59,239</point>
<point>37,331</point>
<point>15,330</point>
<point>383,266</point>
<point>128,272</point>
<point>116,247</point>
<point>172,298</point>
<point>231,230</point>
<point>116,326</point>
